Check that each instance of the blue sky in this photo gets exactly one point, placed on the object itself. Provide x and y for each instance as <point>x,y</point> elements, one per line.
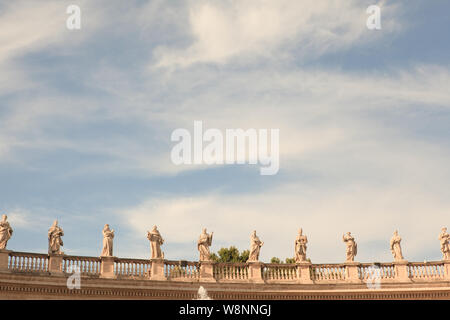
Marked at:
<point>86,117</point>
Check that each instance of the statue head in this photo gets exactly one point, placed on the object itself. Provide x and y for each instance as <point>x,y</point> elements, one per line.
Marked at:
<point>300,231</point>
<point>154,228</point>
<point>106,227</point>
<point>204,230</point>
<point>4,217</point>
<point>444,229</point>
<point>55,223</point>
<point>396,232</point>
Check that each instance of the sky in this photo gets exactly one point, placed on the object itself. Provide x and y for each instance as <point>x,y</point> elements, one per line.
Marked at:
<point>86,118</point>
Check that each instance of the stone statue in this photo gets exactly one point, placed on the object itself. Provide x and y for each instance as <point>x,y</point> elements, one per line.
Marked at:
<point>352,248</point>
<point>203,244</point>
<point>156,241</point>
<point>108,236</point>
<point>444,238</point>
<point>5,232</point>
<point>255,247</point>
<point>54,238</point>
<point>300,246</point>
<point>396,249</point>
<point>202,294</point>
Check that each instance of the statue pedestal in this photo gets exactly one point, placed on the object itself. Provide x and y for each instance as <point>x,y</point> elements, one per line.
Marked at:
<point>55,264</point>
<point>351,271</point>
<point>157,272</point>
<point>401,271</point>
<point>447,269</point>
<point>4,255</point>
<point>304,272</point>
<point>107,267</point>
<point>207,271</point>
<point>254,272</point>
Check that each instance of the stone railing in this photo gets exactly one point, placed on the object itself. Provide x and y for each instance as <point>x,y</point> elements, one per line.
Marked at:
<point>174,270</point>
<point>256,272</point>
<point>279,272</point>
<point>85,265</point>
<point>427,270</point>
<point>28,262</point>
<point>334,272</point>
<point>132,268</point>
<point>230,271</point>
<point>382,271</point>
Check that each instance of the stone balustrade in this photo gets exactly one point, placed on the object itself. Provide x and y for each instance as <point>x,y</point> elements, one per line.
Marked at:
<point>279,272</point>
<point>28,262</point>
<point>230,271</point>
<point>181,270</point>
<point>86,265</point>
<point>369,271</point>
<point>427,270</point>
<point>334,272</point>
<point>167,270</point>
<point>132,268</point>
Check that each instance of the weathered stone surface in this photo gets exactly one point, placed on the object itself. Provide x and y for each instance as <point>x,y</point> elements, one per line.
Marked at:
<point>255,247</point>
<point>351,247</point>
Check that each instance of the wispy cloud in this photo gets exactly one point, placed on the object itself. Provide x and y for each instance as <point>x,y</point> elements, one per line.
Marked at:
<point>362,148</point>
<point>235,29</point>
<point>370,213</point>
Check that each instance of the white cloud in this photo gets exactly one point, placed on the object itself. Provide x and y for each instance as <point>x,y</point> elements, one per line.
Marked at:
<point>24,219</point>
<point>222,31</point>
<point>371,214</point>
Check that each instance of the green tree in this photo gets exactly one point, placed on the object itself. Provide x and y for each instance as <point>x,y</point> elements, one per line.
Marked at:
<point>230,254</point>
<point>278,260</point>
<point>290,260</point>
<point>275,260</point>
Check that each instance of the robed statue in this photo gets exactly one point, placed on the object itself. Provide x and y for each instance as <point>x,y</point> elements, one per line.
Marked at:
<point>54,238</point>
<point>5,232</point>
<point>255,247</point>
<point>351,247</point>
<point>156,241</point>
<point>203,244</point>
<point>396,249</point>
<point>108,236</point>
<point>300,247</point>
<point>444,238</point>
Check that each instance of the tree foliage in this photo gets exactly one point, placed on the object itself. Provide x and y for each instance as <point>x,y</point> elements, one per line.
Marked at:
<point>278,260</point>
<point>230,254</point>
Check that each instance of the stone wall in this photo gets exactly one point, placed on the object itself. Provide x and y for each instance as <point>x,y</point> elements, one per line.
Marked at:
<point>40,276</point>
